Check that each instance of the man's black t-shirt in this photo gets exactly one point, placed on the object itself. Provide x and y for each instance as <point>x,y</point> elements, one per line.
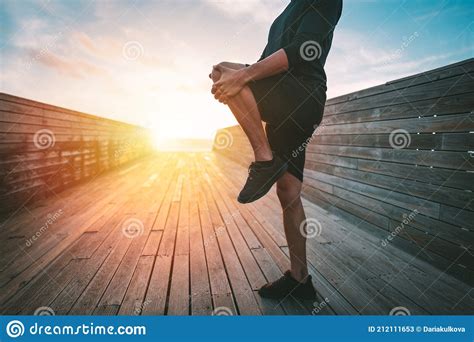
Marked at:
<point>305,30</point>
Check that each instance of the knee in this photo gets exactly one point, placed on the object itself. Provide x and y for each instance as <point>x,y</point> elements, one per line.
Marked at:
<point>242,98</point>
<point>289,196</point>
<point>215,75</point>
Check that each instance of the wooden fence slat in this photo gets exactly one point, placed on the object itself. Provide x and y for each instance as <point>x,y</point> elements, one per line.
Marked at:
<point>45,148</point>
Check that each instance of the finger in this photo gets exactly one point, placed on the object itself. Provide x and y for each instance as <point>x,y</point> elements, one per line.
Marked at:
<point>223,99</point>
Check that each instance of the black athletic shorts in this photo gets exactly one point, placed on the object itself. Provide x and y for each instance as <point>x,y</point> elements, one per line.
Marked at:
<point>292,109</point>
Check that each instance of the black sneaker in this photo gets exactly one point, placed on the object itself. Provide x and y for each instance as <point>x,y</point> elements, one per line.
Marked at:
<point>262,176</point>
<point>286,286</point>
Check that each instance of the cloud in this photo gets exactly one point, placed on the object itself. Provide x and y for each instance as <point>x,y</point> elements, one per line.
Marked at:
<point>87,43</point>
<point>263,11</point>
<point>81,65</point>
<point>357,62</point>
<point>66,66</point>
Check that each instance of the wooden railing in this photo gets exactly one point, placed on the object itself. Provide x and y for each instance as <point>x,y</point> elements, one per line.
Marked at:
<point>397,159</point>
<point>45,149</point>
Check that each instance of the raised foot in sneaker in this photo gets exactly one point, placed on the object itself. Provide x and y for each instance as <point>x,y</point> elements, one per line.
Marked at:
<point>262,176</point>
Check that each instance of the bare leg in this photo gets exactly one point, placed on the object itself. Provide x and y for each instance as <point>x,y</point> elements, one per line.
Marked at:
<point>289,194</point>
<point>244,107</point>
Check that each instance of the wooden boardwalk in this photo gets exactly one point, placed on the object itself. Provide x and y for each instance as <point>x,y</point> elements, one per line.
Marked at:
<point>165,235</point>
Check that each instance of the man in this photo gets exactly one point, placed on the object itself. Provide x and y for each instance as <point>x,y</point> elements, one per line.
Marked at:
<point>286,89</point>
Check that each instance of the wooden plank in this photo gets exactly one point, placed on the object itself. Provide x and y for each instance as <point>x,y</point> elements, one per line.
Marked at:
<point>31,103</point>
<point>89,294</point>
<point>229,214</point>
<point>13,121</point>
<point>445,177</point>
<point>355,244</point>
<point>250,266</point>
<point>455,104</point>
<point>179,293</point>
<point>424,77</point>
<point>438,142</point>
<point>82,149</point>
<point>117,287</point>
<point>157,291</point>
<point>431,90</point>
<point>360,216</point>
<point>448,160</point>
<point>42,263</point>
<point>426,207</point>
<point>444,123</point>
<point>133,302</point>
<point>200,291</point>
<point>220,287</point>
<point>242,290</point>
<point>460,217</point>
<point>106,290</point>
<point>37,252</point>
<point>436,193</point>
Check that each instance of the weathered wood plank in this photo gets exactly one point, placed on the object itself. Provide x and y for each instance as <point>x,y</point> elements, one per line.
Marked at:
<point>424,77</point>
<point>431,90</point>
<point>46,148</point>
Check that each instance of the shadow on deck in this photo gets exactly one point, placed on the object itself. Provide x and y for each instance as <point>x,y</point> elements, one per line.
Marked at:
<point>166,236</point>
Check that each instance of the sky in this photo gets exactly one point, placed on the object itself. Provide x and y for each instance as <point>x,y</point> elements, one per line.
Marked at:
<point>146,61</point>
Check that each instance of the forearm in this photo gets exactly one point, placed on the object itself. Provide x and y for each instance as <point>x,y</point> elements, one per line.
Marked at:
<point>232,65</point>
<point>274,64</point>
<point>215,74</point>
